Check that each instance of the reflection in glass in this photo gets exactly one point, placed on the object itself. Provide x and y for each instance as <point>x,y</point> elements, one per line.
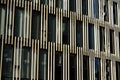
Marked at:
<point>51,28</point>
<point>36,23</point>
<point>43,65</point>
<point>19,22</point>
<point>96,8</point>
<point>7,63</point>
<point>108,70</point>
<point>79,34</point>
<point>46,2</point>
<point>72,4</point>
<point>66,31</point>
<point>102,38</point>
<point>2,19</point>
<point>26,63</point>
<point>91,35</point>
<point>85,7</point>
<point>58,66</point>
<point>86,68</point>
<point>106,11</point>
<point>73,67</point>
<point>97,69</point>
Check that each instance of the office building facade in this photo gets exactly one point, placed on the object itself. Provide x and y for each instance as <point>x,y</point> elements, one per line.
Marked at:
<point>59,39</point>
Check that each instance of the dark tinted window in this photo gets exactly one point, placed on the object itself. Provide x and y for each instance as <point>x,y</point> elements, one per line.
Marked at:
<point>36,20</point>
<point>106,11</point>
<point>86,68</point>
<point>91,35</point>
<point>19,22</point>
<point>59,3</point>
<point>108,70</point>
<point>7,62</point>
<point>115,13</point>
<point>58,66</point>
<point>66,31</point>
<point>102,38</point>
<point>26,63</point>
<point>79,34</point>
<point>43,65</point>
<point>112,45</point>
<point>117,70</point>
<point>85,7</point>
<point>72,4</point>
<point>97,69</point>
<point>51,28</point>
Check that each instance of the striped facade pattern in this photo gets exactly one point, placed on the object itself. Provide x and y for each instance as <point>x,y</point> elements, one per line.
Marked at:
<point>53,47</point>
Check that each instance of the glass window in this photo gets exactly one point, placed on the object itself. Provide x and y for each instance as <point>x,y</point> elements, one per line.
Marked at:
<point>79,33</point>
<point>66,31</point>
<point>19,22</point>
<point>112,47</point>
<point>72,4</point>
<point>7,62</point>
<point>108,70</point>
<point>36,23</point>
<point>102,38</point>
<point>46,2</point>
<point>51,28</point>
<point>26,63</point>
<point>86,68</point>
<point>91,35</point>
<point>2,19</point>
<point>59,3</point>
<point>106,11</point>
<point>43,65</point>
<point>117,70</point>
<point>85,7</point>
<point>58,66</point>
<point>97,69</point>
<point>73,67</point>
<point>115,13</point>
<point>96,8</point>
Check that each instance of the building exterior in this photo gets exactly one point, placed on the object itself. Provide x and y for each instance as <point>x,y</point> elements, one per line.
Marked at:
<point>59,39</point>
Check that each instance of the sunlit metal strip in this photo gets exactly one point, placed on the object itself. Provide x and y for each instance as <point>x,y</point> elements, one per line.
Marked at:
<point>17,3</point>
<point>20,3</point>
<point>54,52</point>
<point>61,17</point>
<point>54,6</point>
<point>1,1</point>
<point>64,63</point>
<point>68,10</point>
<point>49,61</point>
<point>81,61</point>
<point>38,53</point>
<point>75,32</point>
<point>32,60</point>
<point>1,58</point>
<point>13,13</point>
<point>39,5</point>
<point>86,23</point>
<point>78,67</point>
<point>33,3</point>
<point>46,26</point>
<point>23,3</point>
<point>7,17</point>
<point>30,24</point>
<point>14,70</point>
<point>41,34</point>
<point>70,33</point>
<point>57,29</point>
<point>20,58</point>
<point>68,62</point>
<point>25,21</point>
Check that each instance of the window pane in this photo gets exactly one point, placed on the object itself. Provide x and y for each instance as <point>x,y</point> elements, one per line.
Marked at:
<point>52,28</point>
<point>19,22</point>
<point>7,63</point>
<point>36,23</point>
<point>96,8</point>
<point>44,2</point>
<point>97,69</point>
<point>26,63</point>
<point>117,70</point>
<point>86,68</point>
<point>91,35</point>
<point>59,3</point>
<point>58,66</point>
<point>106,11</point>
<point>66,31</point>
<point>102,38</point>
<point>115,13</point>
<point>2,19</point>
<point>72,4</point>
<point>79,34</point>
<point>85,7</point>
<point>108,70</point>
<point>73,67</point>
<point>112,47</point>
<point>43,65</point>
